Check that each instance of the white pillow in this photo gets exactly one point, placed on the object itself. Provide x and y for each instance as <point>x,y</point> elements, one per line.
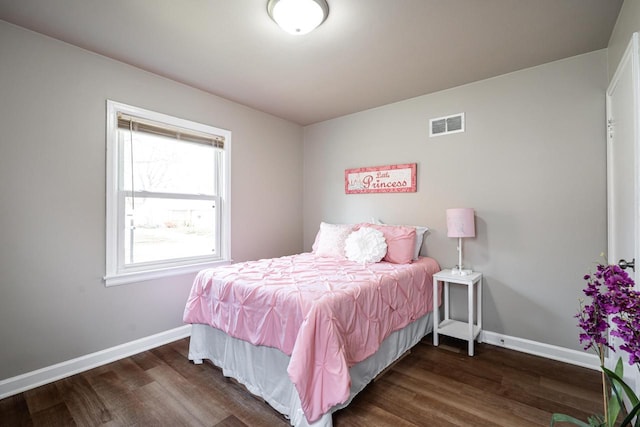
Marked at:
<point>420,232</point>
<point>365,245</point>
<point>331,238</point>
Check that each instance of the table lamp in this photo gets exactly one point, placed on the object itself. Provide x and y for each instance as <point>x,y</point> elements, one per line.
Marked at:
<point>460,223</point>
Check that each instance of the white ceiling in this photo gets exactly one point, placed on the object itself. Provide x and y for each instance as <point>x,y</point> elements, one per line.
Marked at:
<point>367,53</point>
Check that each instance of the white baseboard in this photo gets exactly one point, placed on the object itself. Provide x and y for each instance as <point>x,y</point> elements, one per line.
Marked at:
<point>573,357</point>
<point>24,382</point>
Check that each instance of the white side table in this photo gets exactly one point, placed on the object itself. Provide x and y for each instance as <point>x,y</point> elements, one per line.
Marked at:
<point>455,328</point>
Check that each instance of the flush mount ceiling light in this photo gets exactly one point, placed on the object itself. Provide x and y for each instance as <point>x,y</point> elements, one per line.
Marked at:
<point>298,16</point>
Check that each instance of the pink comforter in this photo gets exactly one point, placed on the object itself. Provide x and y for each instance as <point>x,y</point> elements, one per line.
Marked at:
<point>327,314</point>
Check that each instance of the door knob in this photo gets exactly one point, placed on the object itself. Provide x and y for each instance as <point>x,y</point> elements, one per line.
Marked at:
<point>626,264</point>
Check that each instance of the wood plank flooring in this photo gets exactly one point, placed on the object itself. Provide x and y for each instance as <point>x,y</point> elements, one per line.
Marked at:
<point>432,386</point>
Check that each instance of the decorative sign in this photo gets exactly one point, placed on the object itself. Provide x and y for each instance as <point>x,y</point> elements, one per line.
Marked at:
<point>381,179</point>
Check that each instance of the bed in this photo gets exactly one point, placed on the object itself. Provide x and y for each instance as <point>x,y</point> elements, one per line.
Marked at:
<point>307,332</point>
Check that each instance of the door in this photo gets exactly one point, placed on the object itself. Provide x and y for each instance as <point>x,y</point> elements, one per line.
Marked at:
<point>622,173</point>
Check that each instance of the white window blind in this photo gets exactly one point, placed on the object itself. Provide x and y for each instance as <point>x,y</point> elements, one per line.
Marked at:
<point>139,124</point>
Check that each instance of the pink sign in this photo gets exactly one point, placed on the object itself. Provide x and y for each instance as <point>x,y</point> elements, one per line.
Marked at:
<point>381,179</point>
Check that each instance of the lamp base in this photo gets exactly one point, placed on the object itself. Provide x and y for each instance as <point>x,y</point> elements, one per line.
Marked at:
<point>461,272</point>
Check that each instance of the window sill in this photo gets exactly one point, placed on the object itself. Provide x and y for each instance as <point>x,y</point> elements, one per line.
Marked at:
<point>141,276</point>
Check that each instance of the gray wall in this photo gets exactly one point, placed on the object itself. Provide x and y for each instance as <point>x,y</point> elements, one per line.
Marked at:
<point>53,303</point>
<point>628,22</point>
<point>532,164</point>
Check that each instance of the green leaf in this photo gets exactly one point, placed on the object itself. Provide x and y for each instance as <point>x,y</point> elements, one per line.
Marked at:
<point>613,409</point>
<point>596,421</point>
<point>616,402</point>
<point>629,417</point>
<point>568,419</point>
<point>619,368</point>
<point>617,380</point>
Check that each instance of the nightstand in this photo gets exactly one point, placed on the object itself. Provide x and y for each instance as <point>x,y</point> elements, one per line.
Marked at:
<point>454,328</point>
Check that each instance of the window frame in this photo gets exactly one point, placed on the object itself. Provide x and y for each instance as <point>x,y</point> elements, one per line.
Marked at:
<point>117,273</point>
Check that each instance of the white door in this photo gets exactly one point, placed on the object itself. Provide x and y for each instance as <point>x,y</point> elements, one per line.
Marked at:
<point>623,180</point>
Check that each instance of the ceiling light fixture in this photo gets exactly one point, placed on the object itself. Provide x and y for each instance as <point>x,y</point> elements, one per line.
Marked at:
<point>298,16</point>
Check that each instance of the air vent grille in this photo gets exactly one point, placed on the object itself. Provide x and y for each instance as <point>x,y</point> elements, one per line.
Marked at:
<point>446,125</point>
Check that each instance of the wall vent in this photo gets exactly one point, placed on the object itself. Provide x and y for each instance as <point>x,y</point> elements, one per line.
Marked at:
<point>446,125</point>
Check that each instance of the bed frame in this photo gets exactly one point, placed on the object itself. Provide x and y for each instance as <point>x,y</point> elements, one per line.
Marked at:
<point>263,370</point>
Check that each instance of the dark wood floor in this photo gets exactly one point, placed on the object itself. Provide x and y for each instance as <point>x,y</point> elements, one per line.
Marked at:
<point>433,386</point>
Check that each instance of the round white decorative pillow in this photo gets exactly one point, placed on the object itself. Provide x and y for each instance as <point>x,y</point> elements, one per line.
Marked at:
<point>365,245</point>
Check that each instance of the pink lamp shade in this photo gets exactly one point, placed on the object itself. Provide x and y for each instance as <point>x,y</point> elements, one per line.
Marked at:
<point>460,222</point>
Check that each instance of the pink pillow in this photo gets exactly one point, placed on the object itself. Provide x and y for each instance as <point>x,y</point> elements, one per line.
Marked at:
<point>401,242</point>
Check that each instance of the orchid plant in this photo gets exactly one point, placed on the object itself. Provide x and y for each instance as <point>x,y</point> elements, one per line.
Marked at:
<point>614,312</point>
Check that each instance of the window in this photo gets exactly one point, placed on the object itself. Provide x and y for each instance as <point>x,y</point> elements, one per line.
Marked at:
<point>167,195</point>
